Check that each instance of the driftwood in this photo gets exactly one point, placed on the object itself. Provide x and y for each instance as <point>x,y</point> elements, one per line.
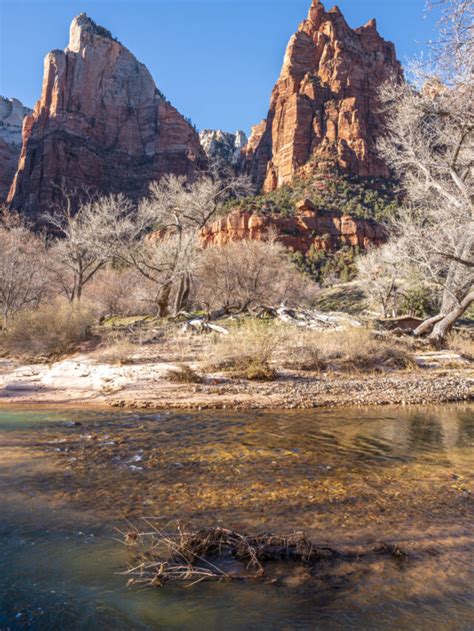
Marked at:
<point>200,325</point>
<point>304,318</point>
<point>309,318</point>
<point>195,556</point>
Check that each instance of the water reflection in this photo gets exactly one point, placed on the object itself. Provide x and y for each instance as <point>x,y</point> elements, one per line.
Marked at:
<point>352,476</point>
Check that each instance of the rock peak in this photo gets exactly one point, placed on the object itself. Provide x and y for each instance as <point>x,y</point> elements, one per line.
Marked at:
<point>315,10</point>
<point>82,29</point>
<point>324,108</point>
<point>100,125</point>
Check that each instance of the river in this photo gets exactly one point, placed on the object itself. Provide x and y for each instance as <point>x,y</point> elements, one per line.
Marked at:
<point>404,475</point>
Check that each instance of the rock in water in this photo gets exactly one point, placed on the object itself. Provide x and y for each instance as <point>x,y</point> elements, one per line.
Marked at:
<point>100,124</point>
<point>12,113</point>
<point>324,106</point>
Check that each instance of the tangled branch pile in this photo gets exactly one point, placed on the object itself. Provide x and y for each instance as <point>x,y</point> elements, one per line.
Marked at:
<point>195,556</point>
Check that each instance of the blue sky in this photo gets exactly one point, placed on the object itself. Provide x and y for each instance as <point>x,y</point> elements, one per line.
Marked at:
<point>215,60</point>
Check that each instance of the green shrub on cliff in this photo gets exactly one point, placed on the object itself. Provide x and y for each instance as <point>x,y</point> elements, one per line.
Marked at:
<point>368,198</point>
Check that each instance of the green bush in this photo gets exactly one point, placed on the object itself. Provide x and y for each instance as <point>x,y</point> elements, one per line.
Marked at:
<point>418,302</point>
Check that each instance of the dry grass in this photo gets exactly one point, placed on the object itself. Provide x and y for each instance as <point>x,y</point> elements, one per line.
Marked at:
<point>255,350</point>
<point>248,351</point>
<point>118,350</point>
<point>462,343</point>
<point>354,348</point>
<point>49,331</point>
<point>183,373</point>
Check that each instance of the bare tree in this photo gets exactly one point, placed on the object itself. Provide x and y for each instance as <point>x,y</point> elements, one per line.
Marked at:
<point>454,46</point>
<point>161,239</point>
<point>22,275</point>
<point>242,275</point>
<point>430,146</point>
<point>379,274</point>
<point>84,241</point>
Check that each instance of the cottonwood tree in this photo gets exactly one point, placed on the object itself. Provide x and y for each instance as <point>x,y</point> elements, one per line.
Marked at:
<point>378,272</point>
<point>84,241</point>
<point>245,274</point>
<point>429,145</point>
<point>23,281</point>
<point>161,239</point>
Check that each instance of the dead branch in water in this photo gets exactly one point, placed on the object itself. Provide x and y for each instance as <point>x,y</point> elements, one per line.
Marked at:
<point>194,556</point>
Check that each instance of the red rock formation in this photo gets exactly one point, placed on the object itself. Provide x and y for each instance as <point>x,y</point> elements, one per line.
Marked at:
<point>308,227</point>
<point>101,123</point>
<point>324,105</point>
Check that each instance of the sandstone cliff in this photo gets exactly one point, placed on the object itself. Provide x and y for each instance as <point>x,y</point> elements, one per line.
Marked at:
<point>100,124</point>
<point>224,146</point>
<point>309,227</point>
<point>12,113</point>
<point>324,105</point>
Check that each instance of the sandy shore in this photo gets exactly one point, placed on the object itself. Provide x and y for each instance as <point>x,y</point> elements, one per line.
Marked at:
<point>84,380</point>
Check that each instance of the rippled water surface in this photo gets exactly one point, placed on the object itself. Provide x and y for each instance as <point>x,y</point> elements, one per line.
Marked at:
<point>349,477</point>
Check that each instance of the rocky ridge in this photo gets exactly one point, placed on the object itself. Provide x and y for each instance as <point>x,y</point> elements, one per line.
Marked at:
<point>100,124</point>
<point>309,227</point>
<point>324,105</point>
<point>223,146</point>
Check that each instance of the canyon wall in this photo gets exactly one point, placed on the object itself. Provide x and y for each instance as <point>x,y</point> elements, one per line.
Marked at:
<point>308,227</point>
<point>324,107</point>
<point>100,125</point>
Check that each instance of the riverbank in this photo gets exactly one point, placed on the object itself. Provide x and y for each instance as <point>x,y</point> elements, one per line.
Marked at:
<point>85,380</point>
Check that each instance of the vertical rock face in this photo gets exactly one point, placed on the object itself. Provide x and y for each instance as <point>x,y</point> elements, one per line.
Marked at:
<point>12,113</point>
<point>100,124</point>
<point>223,145</point>
<point>324,105</point>
<point>308,228</point>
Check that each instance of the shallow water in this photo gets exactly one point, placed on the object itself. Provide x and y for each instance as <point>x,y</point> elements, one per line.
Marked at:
<point>321,471</point>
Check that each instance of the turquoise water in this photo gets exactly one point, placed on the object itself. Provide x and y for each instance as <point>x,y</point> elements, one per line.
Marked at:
<point>59,567</point>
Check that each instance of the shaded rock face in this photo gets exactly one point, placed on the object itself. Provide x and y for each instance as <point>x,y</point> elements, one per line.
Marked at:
<point>309,227</point>
<point>9,155</point>
<point>12,113</point>
<point>324,106</point>
<point>100,124</point>
<point>224,146</point>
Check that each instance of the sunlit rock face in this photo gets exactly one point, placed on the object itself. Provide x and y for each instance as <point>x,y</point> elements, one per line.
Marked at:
<point>308,228</point>
<point>324,106</point>
<point>223,146</point>
<point>100,124</point>
<point>12,113</point>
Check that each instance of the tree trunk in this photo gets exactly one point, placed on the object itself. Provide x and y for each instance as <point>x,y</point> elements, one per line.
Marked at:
<point>182,294</point>
<point>440,325</point>
<point>163,300</point>
<point>443,327</point>
<point>427,325</point>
